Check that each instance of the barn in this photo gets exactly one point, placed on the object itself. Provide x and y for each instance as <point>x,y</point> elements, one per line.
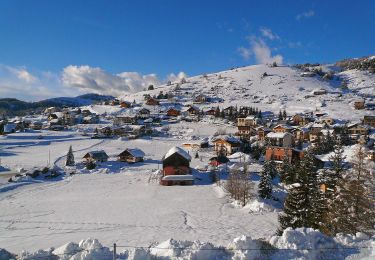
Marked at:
<point>176,168</point>
<point>131,155</point>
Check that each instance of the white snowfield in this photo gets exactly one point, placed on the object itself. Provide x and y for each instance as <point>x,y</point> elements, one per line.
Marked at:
<point>283,87</point>
<point>116,203</point>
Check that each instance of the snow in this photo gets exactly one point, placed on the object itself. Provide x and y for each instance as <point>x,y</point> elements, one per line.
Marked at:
<point>178,150</point>
<point>136,152</point>
<point>300,243</point>
<point>186,177</point>
<point>277,135</point>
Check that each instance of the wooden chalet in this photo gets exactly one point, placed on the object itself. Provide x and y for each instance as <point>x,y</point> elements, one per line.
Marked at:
<point>227,145</point>
<point>356,131</point>
<point>173,112</point>
<point>193,110</point>
<point>369,120</point>
<point>282,128</point>
<point>125,104</point>
<point>131,155</point>
<point>218,160</point>
<point>176,168</point>
<point>359,104</point>
<point>210,112</point>
<point>96,156</point>
<point>301,119</point>
<point>152,102</point>
<point>200,99</point>
<point>262,132</point>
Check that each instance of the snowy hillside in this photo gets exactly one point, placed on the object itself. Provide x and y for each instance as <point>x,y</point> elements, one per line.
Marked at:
<point>281,87</point>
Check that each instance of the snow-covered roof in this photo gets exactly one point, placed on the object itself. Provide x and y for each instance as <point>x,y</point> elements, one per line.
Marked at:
<point>283,126</point>
<point>186,177</point>
<point>228,138</point>
<point>136,152</point>
<point>178,150</point>
<point>277,135</point>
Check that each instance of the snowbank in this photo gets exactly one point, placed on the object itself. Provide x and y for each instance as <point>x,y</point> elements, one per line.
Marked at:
<point>301,243</point>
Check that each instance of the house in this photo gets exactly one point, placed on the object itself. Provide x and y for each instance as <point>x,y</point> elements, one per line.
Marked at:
<point>37,125</point>
<point>115,102</point>
<point>308,74</point>
<point>143,113</point>
<point>281,139</point>
<point>92,119</point>
<point>326,120</point>
<point>282,128</point>
<point>128,118</point>
<point>51,110</point>
<point>173,112</point>
<point>371,155</point>
<point>279,153</point>
<point>152,102</point>
<point>262,132</point>
<point>131,155</point>
<point>247,121</point>
<point>301,120</point>
<point>369,120</point>
<point>9,128</point>
<point>356,131</point>
<point>227,145</point>
<point>217,160</point>
<point>359,104</point>
<point>176,168</point>
<point>210,112</point>
<point>196,144</point>
<point>193,110</point>
<point>319,91</point>
<point>68,118</point>
<point>301,134</point>
<point>96,156</point>
<point>125,104</point>
<point>200,99</point>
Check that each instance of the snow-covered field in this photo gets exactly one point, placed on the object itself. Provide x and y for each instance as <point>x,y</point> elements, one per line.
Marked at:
<point>117,203</point>
<point>121,206</point>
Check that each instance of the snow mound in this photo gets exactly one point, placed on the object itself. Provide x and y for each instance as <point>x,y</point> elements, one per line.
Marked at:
<point>245,248</point>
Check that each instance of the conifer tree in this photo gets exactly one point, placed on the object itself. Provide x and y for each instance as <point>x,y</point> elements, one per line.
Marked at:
<point>280,116</point>
<point>70,157</point>
<point>284,115</point>
<point>294,214</point>
<point>287,171</point>
<point>265,184</point>
<point>335,173</point>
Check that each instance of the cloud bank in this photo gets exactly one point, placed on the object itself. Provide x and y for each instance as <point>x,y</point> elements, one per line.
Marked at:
<point>74,80</point>
<point>259,49</point>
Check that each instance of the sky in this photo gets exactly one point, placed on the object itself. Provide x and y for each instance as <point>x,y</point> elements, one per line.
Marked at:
<point>65,48</point>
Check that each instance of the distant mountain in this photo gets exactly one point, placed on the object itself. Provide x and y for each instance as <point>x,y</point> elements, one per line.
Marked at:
<point>12,106</point>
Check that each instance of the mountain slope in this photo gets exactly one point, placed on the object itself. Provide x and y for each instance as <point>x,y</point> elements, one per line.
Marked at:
<point>275,88</point>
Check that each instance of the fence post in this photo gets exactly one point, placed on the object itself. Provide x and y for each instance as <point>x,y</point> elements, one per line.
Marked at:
<point>114,251</point>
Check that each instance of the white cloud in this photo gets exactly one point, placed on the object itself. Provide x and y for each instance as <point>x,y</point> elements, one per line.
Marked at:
<point>266,32</point>
<point>244,52</point>
<point>17,82</point>
<point>261,51</point>
<point>97,80</point>
<point>172,77</point>
<point>307,14</point>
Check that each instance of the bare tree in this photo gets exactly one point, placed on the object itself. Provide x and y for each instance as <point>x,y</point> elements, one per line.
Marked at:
<point>239,185</point>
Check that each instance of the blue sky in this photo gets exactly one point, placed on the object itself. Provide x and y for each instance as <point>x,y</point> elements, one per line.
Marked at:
<point>44,43</point>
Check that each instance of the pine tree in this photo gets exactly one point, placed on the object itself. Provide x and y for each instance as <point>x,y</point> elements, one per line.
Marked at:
<point>70,157</point>
<point>351,208</point>
<point>280,116</point>
<point>284,115</point>
<point>335,173</point>
<point>294,214</point>
<point>287,171</point>
<point>265,184</point>
<point>217,112</point>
